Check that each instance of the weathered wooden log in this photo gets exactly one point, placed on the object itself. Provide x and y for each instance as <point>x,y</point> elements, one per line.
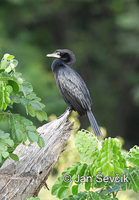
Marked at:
<point>24,179</point>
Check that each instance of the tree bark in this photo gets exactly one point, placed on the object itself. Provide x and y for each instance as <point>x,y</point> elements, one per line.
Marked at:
<point>23,179</point>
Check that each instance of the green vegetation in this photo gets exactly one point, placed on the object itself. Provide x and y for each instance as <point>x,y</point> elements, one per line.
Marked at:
<point>104,36</point>
<point>105,168</point>
<point>15,90</point>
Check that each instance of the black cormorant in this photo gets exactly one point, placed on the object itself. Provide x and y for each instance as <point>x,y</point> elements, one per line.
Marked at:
<point>71,86</point>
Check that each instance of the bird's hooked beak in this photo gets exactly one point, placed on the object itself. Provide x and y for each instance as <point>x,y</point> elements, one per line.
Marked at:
<point>55,55</point>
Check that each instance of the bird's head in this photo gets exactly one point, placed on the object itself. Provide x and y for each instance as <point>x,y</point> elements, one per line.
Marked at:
<point>65,55</point>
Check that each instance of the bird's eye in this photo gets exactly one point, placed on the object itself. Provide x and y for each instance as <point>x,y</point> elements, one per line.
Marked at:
<point>57,52</point>
<point>65,55</point>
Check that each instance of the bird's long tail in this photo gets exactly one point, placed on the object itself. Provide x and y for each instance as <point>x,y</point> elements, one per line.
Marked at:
<point>94,124</point>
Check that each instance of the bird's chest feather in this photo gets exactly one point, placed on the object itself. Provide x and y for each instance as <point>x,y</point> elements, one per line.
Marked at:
<point>62,74</point>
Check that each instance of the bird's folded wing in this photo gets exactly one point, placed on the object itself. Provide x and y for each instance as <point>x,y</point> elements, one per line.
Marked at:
<point>74,90</point>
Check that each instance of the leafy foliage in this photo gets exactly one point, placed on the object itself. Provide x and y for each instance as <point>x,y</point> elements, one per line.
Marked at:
<point>109,159</point>
<point>86,145</point>
<point>5,143</point>
<point>133,156</point>
<point>15,90</point>
<point>103,167</point>
<point>22,128</point>
<point>133,175</point>
<point>89,196</point>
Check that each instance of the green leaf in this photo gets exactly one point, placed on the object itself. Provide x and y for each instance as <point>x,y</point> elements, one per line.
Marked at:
<point>5,154</point>
<point>0,159</point>
<point>36,104</point>
<point>5,62</point>
<point>10,57</point>
<point>88,185</point>
<point>32,136</point>
<point>14,62</point>
<point>31,110</point>
<point>75,189</point>
<point>94,196</point>
<point>12,126</point>
<point>133,176</point>
<point>9,89</point>
<point>31,128</point>
<point>9,142</point>
<point>82,169</point>
<point>8,69</point>
<point>17,127</point>
<point>79,196</point>
<point>14,86</point>
<point>114,188</point>
<point>3,135</point>
<point>133,156</point>
<point>26,88</point>
<point>62,192</point>
<point>14,157</point>
<point>41,142</point>
<point>2,70</point>
<point>5,143</point>
<point>55,189</point>
<point>24,101</point>
<point>41,115</point>
<point>15,99</point>
<point>123,186</point>
<point>3,95</point>
<point>19,135</point>
<point>20,81</point>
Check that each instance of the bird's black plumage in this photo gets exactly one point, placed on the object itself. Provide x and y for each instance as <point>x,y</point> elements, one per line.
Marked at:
<point>71,86</point>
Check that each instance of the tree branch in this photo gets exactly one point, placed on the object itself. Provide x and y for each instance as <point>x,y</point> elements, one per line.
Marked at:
<point>24,179</point>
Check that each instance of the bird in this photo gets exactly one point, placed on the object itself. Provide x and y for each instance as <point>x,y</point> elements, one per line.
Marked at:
<point>72,87</point>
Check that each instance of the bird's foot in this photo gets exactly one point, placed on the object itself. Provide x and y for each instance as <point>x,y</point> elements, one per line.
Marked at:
<point>67,109</point>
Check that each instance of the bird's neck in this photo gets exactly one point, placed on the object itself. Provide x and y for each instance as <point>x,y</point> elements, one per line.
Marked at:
<point>58,63</point>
